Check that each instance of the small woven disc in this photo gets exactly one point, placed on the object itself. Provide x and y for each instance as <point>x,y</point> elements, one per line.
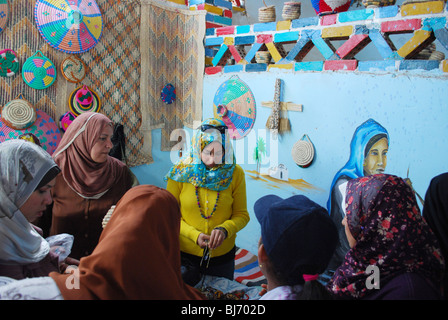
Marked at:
<point>77,108</point>
<point>38,71</point>
<point>9,63</point>
<point>73,69</point>
<point>303,153</point>
<point>19,114</point>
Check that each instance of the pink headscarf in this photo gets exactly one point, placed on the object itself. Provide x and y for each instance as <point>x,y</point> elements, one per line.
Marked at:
<point>86,177</point>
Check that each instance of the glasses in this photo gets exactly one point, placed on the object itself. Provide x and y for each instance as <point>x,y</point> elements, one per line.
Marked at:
<point>221,129</point>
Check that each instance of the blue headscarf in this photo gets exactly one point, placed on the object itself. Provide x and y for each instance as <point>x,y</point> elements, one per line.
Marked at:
<point>192,170</point>
<point>361,143</point>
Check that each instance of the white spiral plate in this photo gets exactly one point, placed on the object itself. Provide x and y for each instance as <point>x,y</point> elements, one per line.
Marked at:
<point>19,114</point>
<point>302,152</point>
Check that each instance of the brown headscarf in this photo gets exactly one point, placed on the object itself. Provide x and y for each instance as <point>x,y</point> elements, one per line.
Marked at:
<point>86,177</point>
<point>138,254</point>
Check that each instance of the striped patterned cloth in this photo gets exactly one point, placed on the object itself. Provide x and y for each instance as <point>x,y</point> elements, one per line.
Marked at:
<point>247,271</point>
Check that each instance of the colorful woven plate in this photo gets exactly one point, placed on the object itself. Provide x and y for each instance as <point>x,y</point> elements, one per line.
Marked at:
<point>44,129</point>
<point>9,63</point>
<point>65,120</point>
<point>19,114</point>
<point>73,69</point>
<point>4,14</point>
<point>38,71</point>
<point>168,94</point>
<point>83,99</point>
<point>69,26</point>
<point>234,103</point>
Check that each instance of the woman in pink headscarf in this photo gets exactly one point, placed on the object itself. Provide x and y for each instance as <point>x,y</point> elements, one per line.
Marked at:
<point>91,181</point>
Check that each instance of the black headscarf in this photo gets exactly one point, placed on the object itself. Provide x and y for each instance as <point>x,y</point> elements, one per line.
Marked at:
<point>435,212</point>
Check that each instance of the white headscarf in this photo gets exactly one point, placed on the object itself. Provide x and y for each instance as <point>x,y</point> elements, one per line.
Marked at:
<point>23,164</point>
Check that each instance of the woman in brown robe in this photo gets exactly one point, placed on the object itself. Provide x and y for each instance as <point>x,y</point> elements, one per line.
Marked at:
<point>137,257</point>
<point>91,182</point>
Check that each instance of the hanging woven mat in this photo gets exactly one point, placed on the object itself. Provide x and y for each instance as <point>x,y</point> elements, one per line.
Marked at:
<point>38,71</point>
<point>303,152</point>
<point>76,105</point>
<point>9,63</point>
<point>19,114</point>
<point>73,69</point>
<point>69,26</point>
<point>4,14</point>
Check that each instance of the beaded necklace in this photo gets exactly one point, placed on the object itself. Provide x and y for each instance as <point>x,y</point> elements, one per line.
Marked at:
<point>199,204</point>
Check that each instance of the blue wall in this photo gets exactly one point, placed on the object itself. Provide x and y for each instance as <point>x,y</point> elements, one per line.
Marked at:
<point>412,106</point>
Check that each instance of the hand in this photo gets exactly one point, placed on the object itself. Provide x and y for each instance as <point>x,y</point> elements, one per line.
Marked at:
<point>203,239</point>
<point>216,238</point>
<point>264,289</point>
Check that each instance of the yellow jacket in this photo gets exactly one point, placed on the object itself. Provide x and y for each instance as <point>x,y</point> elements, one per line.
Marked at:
<point>231,212</point>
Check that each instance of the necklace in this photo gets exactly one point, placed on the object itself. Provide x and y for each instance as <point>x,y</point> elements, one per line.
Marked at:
<point>199,204</point>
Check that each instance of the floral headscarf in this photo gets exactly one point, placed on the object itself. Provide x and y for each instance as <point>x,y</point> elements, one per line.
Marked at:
<point>192,170</point>
<point>390,233</point>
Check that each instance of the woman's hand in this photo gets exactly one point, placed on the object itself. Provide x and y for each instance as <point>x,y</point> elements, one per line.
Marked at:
<point>203,240</point>
<point>216,238</point>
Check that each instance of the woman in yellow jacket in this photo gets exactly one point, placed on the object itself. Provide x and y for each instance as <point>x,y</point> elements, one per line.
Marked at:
<point>211,191</point>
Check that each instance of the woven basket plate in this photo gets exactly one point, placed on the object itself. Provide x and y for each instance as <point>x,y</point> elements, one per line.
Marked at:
<point>69,26</point>
<point>19,114</point>
<point>303,153</point>
<point>73,69</point>
<point>78,108</point>
<point>38,71</point>
<point>9,63</point>
<point>45,129</point>
<point>4,14</point>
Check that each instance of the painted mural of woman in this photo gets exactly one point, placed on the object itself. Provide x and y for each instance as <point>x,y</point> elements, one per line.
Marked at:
<point>368,156</point>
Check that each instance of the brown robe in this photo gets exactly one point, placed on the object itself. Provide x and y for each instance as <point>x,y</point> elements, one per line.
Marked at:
<point>138,255</point>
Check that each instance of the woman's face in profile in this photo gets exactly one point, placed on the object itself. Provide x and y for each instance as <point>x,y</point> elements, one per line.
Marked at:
<point>376,160</point>
<point>101,148</point>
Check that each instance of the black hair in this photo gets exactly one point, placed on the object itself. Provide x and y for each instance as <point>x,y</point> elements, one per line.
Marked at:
<point>372,141</point>
<point>50,175</point>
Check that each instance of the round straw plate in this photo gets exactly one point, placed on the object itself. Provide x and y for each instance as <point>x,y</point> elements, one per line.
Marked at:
<point>19,114</point>
<point>9,63</point>
<point>44,129</point>
<point>73,69</point>
<point>38,71</point>
<point>78,108</point>
<point>303,153</point>
<point>4,14</point>
<point>69,26</point>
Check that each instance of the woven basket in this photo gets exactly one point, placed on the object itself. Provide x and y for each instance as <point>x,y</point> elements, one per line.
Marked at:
<point>303,152</point>
<point>263,57</point>
<point>19,114</point>
<point>38,71</point>
<point>73,69</point>
<point>266,14</point>
<point>291,10</point>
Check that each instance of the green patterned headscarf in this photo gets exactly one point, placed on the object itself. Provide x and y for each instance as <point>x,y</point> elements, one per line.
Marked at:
<point>192,170</point>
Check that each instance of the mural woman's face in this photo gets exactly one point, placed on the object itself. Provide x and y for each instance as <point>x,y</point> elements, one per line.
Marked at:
<point>376,160</point>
